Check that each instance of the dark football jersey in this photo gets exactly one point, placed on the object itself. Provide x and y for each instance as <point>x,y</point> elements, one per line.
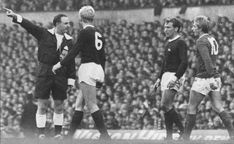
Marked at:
<point>207,52</point>
<point>175,58</point>
<point>90,45</point>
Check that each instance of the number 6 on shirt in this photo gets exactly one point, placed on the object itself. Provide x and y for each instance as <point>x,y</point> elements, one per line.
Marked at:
<point>98,41</point>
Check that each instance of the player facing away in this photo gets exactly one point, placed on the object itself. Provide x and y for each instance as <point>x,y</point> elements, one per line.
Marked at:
<point>207,81</point>
<point>90,45</point>
<point>53,45</point>
<point>171,77</point>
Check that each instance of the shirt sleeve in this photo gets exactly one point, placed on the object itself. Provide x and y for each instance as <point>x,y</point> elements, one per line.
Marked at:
<point>71,72</point>
<point>75,50</point>
<point>183,59</point>
<point>33,29</point>
<point>162,69</point>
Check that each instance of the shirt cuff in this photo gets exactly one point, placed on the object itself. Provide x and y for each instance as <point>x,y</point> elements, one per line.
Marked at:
<point>19,18</point>
<point>71,82</point>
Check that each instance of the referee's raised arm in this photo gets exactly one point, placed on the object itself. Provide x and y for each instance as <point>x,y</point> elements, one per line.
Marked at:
<point>33,29</point>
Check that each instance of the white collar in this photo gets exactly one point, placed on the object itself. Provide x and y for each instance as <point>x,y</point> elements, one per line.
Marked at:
<point>52,31</point>
<point>88,25</point>
<point>176,37</point>
<point>203,35</point>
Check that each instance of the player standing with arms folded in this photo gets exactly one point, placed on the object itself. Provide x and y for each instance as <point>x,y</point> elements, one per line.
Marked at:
<point>207,81</point>
<point>90,45</point>
<point>171,77</point>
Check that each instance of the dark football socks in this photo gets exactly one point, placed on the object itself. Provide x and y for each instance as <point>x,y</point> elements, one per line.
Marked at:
<point>99,122</point>
<point>227,121</point>
<point>169,125</point>
<point>189,124</point>
<point>58,129</point>
<point>76,120</point>
<point>176,120</point>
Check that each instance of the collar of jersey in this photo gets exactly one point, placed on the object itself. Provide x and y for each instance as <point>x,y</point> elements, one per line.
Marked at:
<point>176,37</point>
<point>203,35</point>
<point>88,25</point>
<point>52,31</point>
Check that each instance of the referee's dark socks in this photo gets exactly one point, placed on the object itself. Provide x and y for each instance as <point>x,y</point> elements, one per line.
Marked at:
<point>227,121</point>
<point>176,120</point>
<point>99,122</point>
<point>189,124</point>
<point>57,129</point>
<point>75,123</point>
<point>168,124</point>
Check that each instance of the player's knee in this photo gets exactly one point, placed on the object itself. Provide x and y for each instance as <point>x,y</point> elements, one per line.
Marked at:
<point>41,110</point>
<point>165,107</point>
<point>92,107</point>
<point>79,107</point>
<point>191,109</point>
<point>58,108</point>
<point>217,108</point>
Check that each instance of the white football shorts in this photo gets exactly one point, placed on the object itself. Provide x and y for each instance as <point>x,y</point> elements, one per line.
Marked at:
<point>169,76</point>
<point>203,85</point>
<point>91,73</point>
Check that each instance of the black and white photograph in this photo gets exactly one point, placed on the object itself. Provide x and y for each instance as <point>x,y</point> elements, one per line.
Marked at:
<point>117,71</point>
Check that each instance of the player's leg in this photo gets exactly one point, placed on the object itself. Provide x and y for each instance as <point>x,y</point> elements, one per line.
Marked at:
<point>89,93</point>
<point>58,118</point>
<point>78,114</point>
<point>59,94</point>
<point>194,100</point>
<point>166,105</point>
<point>42,91</point>
<point>225,116</point>
<point>42,105</point>
<point>171,116</point>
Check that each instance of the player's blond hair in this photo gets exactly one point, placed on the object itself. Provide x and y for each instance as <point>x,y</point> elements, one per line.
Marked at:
<point>203,22</point>
<point>87,13</point>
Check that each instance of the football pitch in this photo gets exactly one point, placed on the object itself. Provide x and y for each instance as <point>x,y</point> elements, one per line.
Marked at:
<point>80,141</point>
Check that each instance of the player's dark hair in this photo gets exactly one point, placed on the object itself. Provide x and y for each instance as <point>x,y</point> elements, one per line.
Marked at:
<point>175,23</point>
<point>57,19</point>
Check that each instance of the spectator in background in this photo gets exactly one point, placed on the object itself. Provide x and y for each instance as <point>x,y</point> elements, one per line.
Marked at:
<point>59,5</point>
<point>28,118</point>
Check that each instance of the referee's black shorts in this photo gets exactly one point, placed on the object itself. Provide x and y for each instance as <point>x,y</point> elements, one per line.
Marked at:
<point>51,84</point>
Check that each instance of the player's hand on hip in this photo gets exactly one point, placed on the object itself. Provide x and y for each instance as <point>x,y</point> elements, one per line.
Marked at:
<point>10,12</point>
<point>56,67</point>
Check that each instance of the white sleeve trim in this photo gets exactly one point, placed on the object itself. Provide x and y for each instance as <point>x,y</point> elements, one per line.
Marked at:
<point>71,82</point>
<point>19,18</point>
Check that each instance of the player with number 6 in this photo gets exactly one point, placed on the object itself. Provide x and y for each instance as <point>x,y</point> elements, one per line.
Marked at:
<point>90,45</point>
<point>207,80</point>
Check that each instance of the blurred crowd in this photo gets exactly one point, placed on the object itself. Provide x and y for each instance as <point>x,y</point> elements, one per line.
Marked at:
<point>134,59</point>
<point>69,5</point>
